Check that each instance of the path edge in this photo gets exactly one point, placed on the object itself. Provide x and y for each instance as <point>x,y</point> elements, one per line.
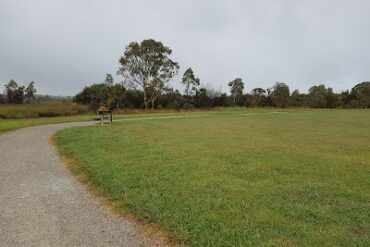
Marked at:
<point>150,231</point>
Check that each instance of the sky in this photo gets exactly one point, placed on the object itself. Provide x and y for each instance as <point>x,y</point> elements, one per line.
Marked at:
<point>64,45</point>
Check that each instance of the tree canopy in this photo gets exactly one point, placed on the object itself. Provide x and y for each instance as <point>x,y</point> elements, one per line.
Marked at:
<point>361,94</point>
<point>148,66</point>
<point>280,94</point>
<point>236,88</point>
<point>30,92</point>
<point>191,83</point>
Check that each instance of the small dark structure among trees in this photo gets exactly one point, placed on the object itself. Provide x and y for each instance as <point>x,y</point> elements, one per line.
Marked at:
<point>105,115</point>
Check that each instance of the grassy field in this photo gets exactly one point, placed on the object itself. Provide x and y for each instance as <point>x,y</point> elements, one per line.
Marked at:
<point>236,178</point>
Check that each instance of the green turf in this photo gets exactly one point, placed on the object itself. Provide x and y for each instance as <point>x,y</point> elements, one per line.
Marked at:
<point>236,178</point>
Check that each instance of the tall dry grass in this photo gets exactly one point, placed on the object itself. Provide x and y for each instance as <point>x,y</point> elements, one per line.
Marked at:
<point>49,109</point>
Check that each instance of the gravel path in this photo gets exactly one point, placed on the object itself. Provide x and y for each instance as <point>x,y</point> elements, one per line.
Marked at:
<point>41,204</point>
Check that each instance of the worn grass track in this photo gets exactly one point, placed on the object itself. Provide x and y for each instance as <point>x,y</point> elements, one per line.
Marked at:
<point>236,178</point>
<point>13,124</point>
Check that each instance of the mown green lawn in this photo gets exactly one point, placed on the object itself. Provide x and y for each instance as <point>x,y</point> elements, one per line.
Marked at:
<point>236,178</point>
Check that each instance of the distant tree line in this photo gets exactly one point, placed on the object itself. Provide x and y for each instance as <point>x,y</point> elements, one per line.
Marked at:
<point>146,69</point>
<point>279,95</point>
<point>17,94</point>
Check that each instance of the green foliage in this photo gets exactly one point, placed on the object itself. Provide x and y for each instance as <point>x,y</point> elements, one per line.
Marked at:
<point>172,99</point>
<point>148,66</point>
<point>297,99</point>
<point>280,94</point>
<point>258,97</point>
<point>191,83</point>
<point>109,81</point>
<point>201,99</point>
<point>236,177</point>
<point>361,94</point>
<point>258,92</point>
<point>30,92</point>
<point>236,88</point>
<point>320,97</point>
<point>95,96</point>
<point>117,97</point>
<point>15,93</point>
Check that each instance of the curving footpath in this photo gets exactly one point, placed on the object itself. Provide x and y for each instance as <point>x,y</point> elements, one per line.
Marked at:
<point>41,204</point>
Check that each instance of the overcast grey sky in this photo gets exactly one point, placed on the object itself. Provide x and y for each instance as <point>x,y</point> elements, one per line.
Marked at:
<point>64,45</point>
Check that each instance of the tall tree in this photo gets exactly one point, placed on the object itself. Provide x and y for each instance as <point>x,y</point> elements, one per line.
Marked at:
<point>191,83</point>
<point>201,99</point>
<point>30,92</point>
<point>94,95</point>
<point>317,96</point>
<point>109,80</point>
<point>148,65</point>
<point>236,88</point>
<point>331,97</point>
<point>280,94</point>
<point>258,92</point>
<point>297,98</point>
<point>109,84</point>
<point>257,96</point>
<point>361,93</point>
<point>15,93</point>
<point>116,96</point>
<point>10,89</point>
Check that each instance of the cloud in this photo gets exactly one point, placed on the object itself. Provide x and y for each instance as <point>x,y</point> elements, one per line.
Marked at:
<point>64,45</point>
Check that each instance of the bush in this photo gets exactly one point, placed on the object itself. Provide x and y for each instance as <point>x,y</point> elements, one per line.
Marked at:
<point>188,106</point>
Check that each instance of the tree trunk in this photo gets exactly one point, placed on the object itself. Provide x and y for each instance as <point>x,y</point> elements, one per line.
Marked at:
<point>145,99</point>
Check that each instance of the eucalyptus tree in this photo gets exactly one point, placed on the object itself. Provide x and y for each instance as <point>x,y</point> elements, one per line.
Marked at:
<point>257,95</point>
<point>11,90</point>
<point>236,88</point>
<point>109,81</point>
<point>191,83</point>
<point>297,98</point>
<point>147,66</point>
<point>280,94</point>
<point>15,93</point>
<point>30,92</point>
<point>361,93</point>
<point>317,96</point>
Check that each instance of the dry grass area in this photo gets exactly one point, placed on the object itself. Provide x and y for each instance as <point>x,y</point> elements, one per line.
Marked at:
<point>50,109</point>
